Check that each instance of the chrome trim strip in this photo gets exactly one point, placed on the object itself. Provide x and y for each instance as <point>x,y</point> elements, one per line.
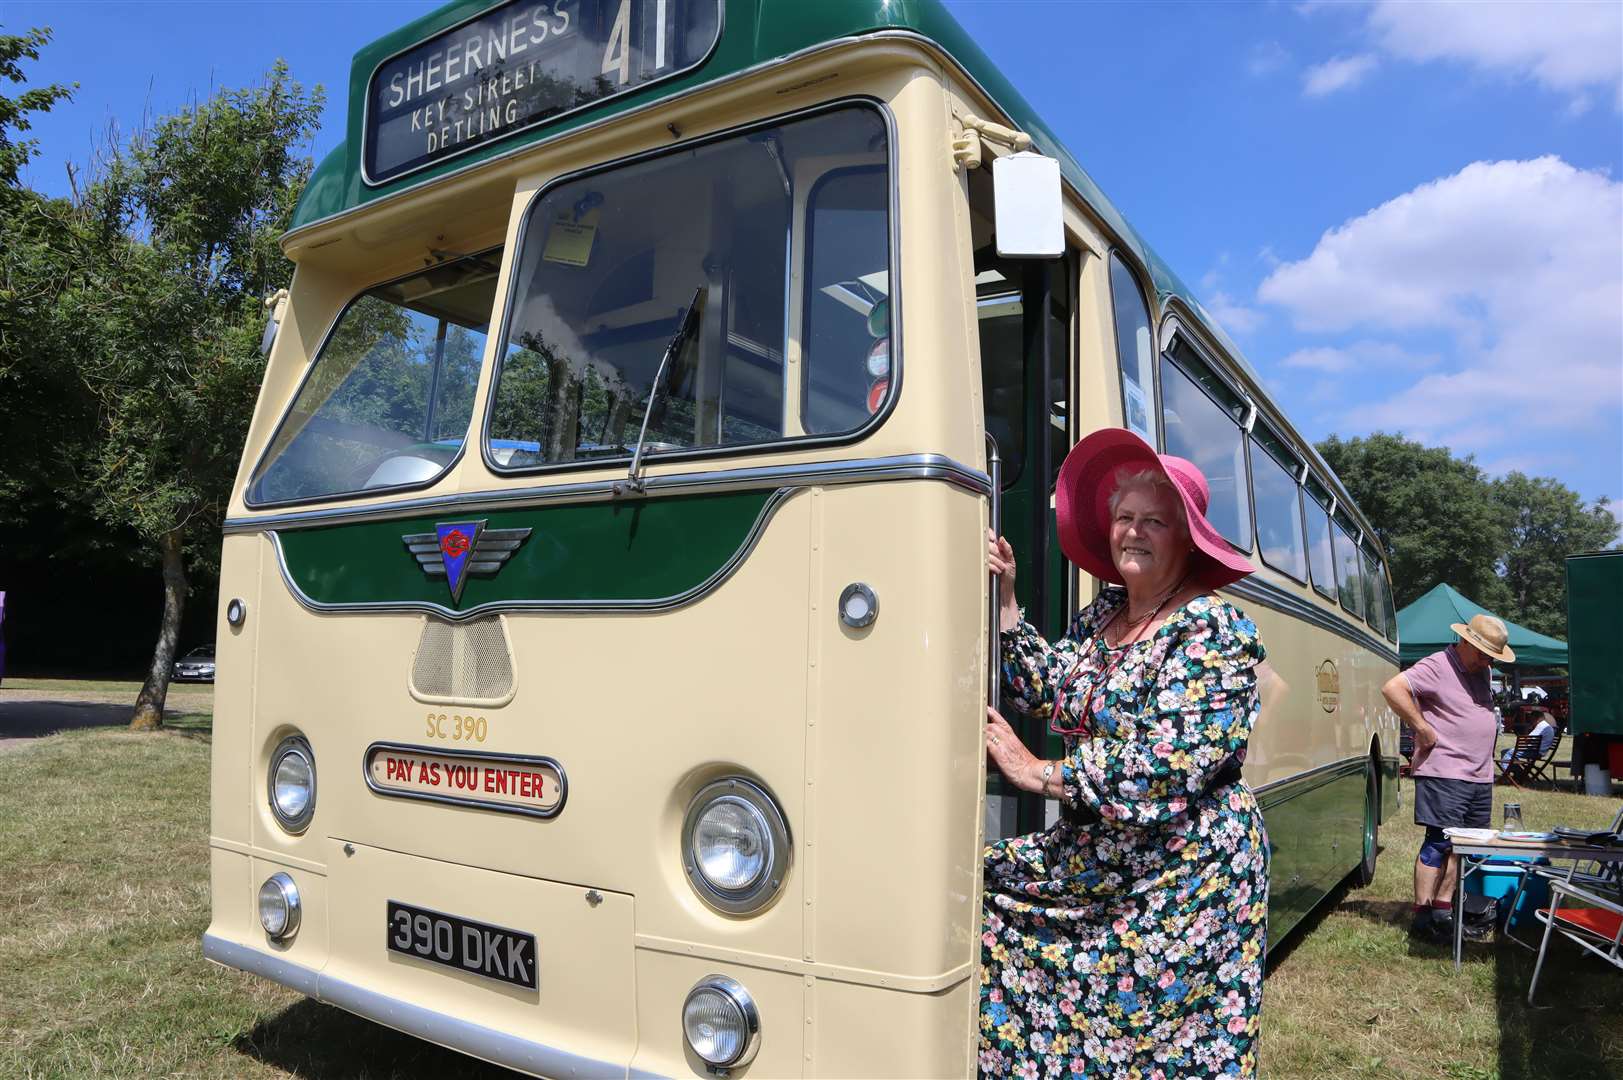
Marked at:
<point>366,103</point>
<point>1323,774</point>
<point>489,1044</point>
<point>1272,596</point>
<point>662,603</point>
<point>471,755</point>
<point>266,966</point>
<point>807,474</point>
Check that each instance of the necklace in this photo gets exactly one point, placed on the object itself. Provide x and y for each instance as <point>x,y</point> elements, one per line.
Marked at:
<point>1060,723</point>
<point>1131,626</point>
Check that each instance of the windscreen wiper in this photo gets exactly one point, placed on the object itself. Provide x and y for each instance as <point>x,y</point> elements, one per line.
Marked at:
<point>634,483</point>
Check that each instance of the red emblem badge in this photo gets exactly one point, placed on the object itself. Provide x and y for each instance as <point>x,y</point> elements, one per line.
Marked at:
<point>455,543</point>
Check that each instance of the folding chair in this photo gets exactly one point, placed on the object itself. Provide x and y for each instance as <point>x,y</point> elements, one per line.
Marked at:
<point>1543,768</point>
<point>1597,928</point>
<point>1516,768</point>
<point>1604,878</point>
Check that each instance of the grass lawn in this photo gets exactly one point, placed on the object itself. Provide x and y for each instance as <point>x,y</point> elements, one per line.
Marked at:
<point>100,686</point>
<point>104,896</point>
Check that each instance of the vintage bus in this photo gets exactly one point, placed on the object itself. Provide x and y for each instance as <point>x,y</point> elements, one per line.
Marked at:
<point>605,641</point>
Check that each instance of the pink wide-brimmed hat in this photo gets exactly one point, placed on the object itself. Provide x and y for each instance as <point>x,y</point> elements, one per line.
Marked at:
<point>1091,474</point>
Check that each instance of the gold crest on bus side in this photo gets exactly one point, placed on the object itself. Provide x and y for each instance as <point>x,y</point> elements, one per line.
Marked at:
<point>1329,680</point>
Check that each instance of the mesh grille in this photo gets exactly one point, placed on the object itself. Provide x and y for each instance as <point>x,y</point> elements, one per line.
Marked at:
<point>462,661</point>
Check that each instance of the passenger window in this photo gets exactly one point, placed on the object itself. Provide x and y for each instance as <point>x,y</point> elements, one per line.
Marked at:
<point>1374,609</point>
<point>1279,506</point>
<point>1386,603</point>
<point>388,400</point>
<point>613,259</point>
<point>1135,350</point>
<point>1320,556</point>
<point>1350,572</point>
<point>1202,424</point>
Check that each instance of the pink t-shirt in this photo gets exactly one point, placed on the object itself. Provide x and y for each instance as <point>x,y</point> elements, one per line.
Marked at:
<point>1459,707</point>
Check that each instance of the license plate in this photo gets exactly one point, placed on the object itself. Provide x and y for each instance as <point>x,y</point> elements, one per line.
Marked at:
<point>463,945</point>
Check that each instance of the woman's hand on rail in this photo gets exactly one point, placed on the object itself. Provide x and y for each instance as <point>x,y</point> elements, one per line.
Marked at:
<point>1000,561</point>
<point>1009,754</point>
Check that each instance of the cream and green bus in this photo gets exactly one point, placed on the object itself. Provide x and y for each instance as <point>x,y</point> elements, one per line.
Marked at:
<point>605,610</point>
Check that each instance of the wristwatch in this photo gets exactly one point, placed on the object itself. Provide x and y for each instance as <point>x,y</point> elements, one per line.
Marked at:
<point>1048,770</point>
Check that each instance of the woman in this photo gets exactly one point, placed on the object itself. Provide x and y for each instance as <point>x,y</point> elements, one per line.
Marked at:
<point>1127,939</point>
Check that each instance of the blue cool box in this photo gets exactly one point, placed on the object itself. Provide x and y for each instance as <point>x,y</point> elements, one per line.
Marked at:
<point>1499,877</point>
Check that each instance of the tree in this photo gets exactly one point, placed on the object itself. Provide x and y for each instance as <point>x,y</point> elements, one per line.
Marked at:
<point>14,152</point>
<point>1435,514</point>
<point>34,268</point>
<point>1548,522</point>
<point>177,241</point>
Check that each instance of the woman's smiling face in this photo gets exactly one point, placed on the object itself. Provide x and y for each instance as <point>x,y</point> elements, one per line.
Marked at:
<point>1149,542</point>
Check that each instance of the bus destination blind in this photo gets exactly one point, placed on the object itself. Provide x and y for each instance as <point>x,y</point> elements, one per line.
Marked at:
<point>518,65</point>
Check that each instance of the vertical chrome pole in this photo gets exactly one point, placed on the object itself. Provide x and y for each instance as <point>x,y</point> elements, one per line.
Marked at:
<point>994,654</point>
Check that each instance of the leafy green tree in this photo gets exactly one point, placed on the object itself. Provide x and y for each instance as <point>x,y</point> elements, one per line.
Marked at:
<point>33,270</point>
<point>1548,522</point>
<point>1435,514</point>
<point>177,243</point>
<point>14,112</point>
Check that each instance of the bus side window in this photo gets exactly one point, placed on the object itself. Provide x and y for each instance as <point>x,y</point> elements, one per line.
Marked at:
<point>1279,510</point>
<point>1135,351</point>
<point>1350,571</point>
<point>1321,557</point>
<point>1203,424</point>
<point>1374,608</point>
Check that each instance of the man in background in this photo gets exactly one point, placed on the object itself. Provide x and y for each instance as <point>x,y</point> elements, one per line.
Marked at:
<point>1446,701</point>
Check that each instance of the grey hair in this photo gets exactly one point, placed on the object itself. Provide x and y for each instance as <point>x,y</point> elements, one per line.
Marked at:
<point>1146,478</point>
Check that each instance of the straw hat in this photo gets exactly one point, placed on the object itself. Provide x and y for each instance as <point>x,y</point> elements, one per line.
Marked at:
<point>1488,635</point>
<point>1093,470</point>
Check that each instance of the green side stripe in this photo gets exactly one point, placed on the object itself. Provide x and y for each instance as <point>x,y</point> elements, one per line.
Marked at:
<point>639,550</point>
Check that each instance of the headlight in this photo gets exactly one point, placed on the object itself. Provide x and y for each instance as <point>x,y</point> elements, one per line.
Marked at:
<point>279,906</point>
<point>735,846</point>
<point>721,1023</point>
<point>292,784</point>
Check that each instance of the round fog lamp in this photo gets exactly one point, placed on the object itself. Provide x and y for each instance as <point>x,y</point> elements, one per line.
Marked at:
<point>292,784</point>
<point>721,1023</point>
<point>735,846</point>
<point>279,906</point>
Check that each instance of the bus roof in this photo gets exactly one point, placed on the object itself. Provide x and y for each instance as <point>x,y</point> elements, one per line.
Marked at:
<point>754,33</point>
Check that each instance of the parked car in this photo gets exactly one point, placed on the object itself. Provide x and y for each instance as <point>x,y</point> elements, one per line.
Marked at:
<point>196,666</point>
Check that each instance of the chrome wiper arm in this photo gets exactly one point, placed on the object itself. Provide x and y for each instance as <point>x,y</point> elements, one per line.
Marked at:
<point>688,326</point>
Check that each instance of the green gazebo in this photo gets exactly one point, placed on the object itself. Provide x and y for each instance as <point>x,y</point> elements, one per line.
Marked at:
<point>1423,628</point>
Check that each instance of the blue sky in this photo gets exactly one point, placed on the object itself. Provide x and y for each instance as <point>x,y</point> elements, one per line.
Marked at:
<point>1410,216</point>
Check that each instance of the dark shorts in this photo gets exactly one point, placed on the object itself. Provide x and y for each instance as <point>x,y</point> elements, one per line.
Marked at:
<point>1448,803</point>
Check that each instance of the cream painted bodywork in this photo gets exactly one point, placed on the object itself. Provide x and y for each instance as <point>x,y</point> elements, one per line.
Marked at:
<point>869,740</point>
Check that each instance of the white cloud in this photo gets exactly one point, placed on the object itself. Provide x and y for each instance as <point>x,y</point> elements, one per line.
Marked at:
<point>1342,73</point>
<point>1266,57</point>
<point>1569,47</point>
<point>1519,262</point>
<point>1232,315</point>
<point>1360,354</point>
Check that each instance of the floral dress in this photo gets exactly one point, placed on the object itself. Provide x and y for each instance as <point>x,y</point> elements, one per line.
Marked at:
<point>1126,940</point>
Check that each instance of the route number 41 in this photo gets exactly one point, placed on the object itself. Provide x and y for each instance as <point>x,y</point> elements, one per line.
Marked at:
<point>617,56</point>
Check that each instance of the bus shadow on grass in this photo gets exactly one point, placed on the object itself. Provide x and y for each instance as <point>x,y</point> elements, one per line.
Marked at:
<point>321,1042</point>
